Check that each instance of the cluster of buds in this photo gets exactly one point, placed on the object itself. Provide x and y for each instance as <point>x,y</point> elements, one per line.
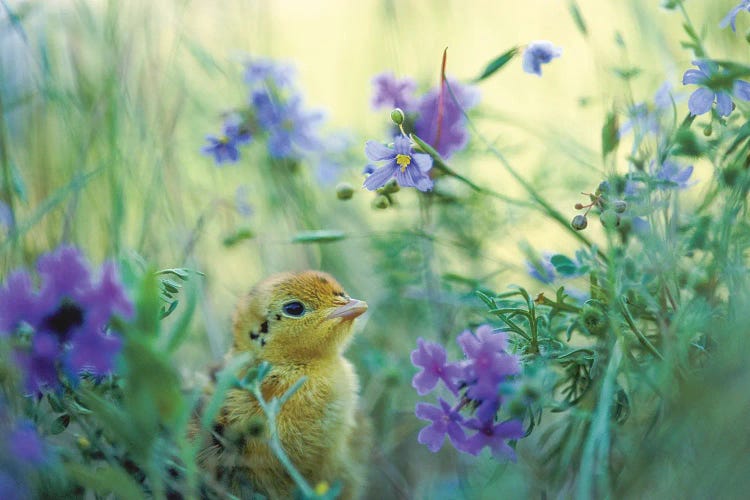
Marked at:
<point>610,210</point>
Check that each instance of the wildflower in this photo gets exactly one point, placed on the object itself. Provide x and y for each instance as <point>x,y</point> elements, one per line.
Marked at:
<point>701,99</point>
<point>672,175</point>
<point>391,92</point>
<point>541,269</point>
<point>488,367</point>
<point>290,127</point>
<point>267,72</point>
<point>445,421</point>
<point>67,317</point>
<point>409,169</point>
<point>224,147</point>
<point>431,357</point>
<point>494,436</point>
<point>445,131</point>
<point>537,53</point>
<point>731,17</point>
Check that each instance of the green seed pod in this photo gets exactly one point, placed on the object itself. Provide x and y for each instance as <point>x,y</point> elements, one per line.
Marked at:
<point>579,222</point>
<point>380,202</point>
<point>609,219</point>
<point>603,187</point>
<point>397,116</point>
<point>344,191</point>
<point>620,206</point>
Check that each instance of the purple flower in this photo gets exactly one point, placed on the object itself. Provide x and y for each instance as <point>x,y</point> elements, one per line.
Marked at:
<point>487,368</point>
<point>673,175</point>
<point>410,169</point>
<point>703,97</point>
<point>494,436</point>
<point>446,133</point>
<point>537,53</point>
<point>391,92</point>
<point>444,420</point>
<point>224,147</point>
<point>431,357</point>
<point>67,316</point>
<point>291,128</point>
<point>265,72</point>
<point>24,443</point>
<point>731,17</point>
<point>541,269</point>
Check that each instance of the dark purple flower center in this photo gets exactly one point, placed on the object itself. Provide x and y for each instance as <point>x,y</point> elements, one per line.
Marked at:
<point>67,317</point>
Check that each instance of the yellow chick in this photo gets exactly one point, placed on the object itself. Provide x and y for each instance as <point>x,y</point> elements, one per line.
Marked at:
<point>300,324</point>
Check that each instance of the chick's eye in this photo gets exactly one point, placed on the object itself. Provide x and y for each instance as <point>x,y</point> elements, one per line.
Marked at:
<point>295,309</point>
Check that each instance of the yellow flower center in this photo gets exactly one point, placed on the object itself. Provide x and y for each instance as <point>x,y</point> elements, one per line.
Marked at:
<point>403,161</point>
<point>224,139</point>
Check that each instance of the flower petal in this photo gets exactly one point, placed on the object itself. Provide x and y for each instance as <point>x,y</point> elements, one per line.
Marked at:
<point>694,77</point>
<point>432,438</point>
<point>724,104</point>
<point>700,101</point>
<point>424,161</point>
<point>742,90</point>
<point>380,176</point>
<point>426,411</point>
<point>376,151</point>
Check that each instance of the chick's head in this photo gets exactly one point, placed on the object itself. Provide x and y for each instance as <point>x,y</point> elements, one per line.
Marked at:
<point>295,318</point>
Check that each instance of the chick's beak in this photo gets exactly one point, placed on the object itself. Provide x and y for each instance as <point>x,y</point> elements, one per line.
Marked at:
<point>350,310</point>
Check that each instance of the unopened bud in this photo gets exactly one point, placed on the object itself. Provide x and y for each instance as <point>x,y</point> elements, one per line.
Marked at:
<point>380,202</point>
<point>620,206</point>
<point>397,116</point>
<point>579,222</point>
<point>579,206</point>
<point>344,191</point>
<point>391,187</point>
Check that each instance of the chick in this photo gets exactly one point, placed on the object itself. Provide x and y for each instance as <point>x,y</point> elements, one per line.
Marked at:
<point>300,324</point>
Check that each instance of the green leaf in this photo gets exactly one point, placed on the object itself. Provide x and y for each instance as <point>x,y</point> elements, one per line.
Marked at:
<point>320,236</point>
<point>564,265</point>
<point>59,424</point>
<point>610,136</point>
<point>179,330</point>
<point>497,63</point>
<point>627,73</point>
<point>109,479</point>
<point>238,236</point>
<point>575,13</point>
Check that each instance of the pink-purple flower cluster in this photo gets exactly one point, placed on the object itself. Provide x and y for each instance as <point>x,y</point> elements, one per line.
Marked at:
<point>60,328</point>
<point>477,384</point>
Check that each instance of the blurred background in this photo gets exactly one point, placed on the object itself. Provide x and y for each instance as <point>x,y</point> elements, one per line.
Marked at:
<point>105,106</point>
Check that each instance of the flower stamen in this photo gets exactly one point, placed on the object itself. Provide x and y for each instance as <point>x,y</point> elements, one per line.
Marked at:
<point>403,161</point>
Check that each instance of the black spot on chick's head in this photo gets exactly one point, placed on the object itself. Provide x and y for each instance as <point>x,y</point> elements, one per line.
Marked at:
<point>278,317</point>
<point>254,335</point>
<point>264,327</point>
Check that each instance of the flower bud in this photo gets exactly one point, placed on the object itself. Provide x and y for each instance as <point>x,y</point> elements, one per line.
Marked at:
<point>391,187</point>
<point>603,187</point>
<point>579,222</point>
<point>397,116</point>
<point>380,202</point>
<point>344,191</point>
<point>620,206</point>
<point>594,319</point>
<point>579,206</point>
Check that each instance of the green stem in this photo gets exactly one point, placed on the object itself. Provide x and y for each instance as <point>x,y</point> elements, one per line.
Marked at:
<point>275,442</point>
<point>641,338</point>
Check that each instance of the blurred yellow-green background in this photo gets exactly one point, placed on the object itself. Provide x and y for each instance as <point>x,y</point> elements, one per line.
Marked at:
<point>107,104</point>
